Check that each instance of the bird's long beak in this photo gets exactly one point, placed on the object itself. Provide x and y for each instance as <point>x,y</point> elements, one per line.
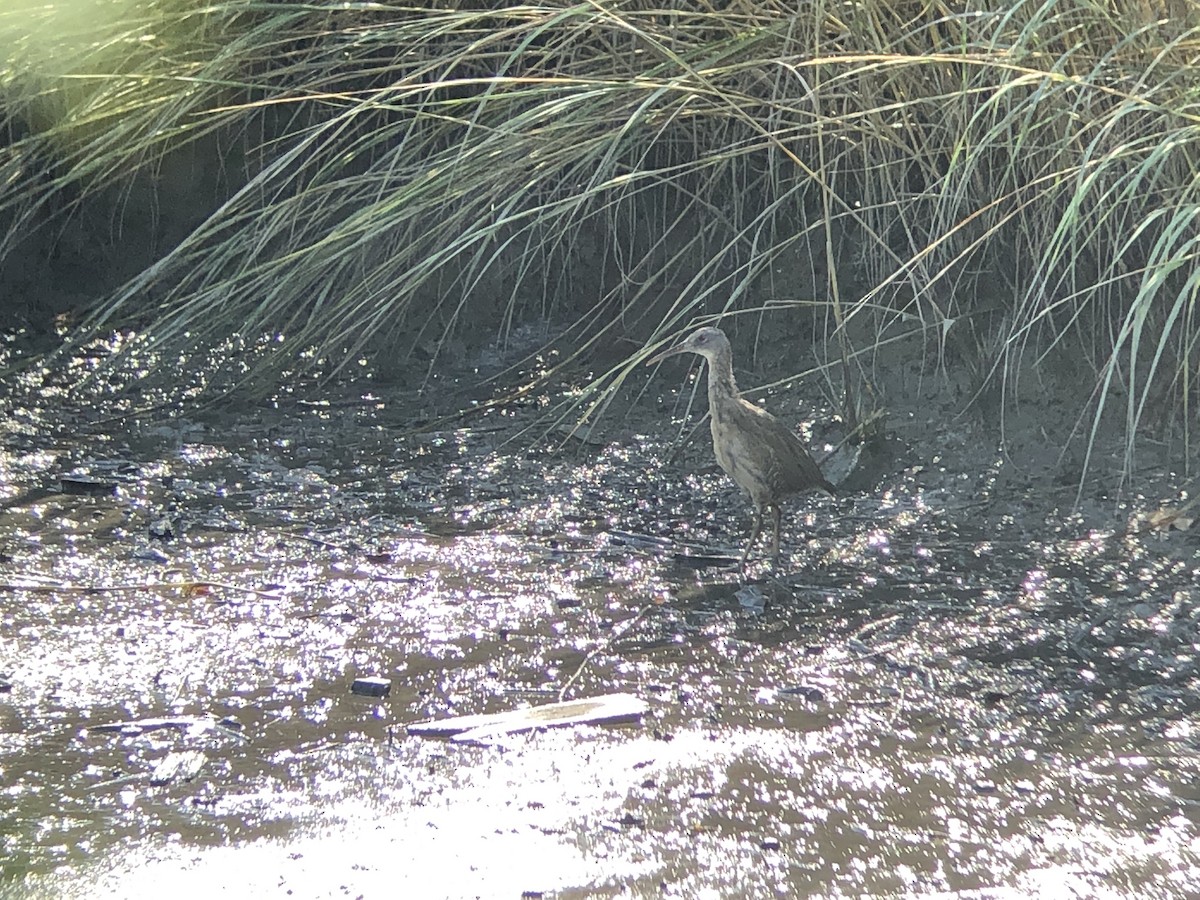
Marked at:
<point>670,351</point>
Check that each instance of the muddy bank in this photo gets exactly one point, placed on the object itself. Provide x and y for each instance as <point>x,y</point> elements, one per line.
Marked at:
<point>953,681</point>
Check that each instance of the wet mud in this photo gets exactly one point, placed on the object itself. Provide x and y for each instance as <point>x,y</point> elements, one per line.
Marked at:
<point>955,681</point>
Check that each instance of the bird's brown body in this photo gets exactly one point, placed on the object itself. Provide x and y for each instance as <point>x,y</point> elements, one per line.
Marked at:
<point>755,449</point>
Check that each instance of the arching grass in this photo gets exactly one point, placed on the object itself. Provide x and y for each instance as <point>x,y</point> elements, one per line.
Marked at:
<point>1016,179</point>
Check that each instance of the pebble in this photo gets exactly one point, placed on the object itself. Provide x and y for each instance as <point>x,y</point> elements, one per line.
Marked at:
<point>150,554</point>
<point>371,687</point>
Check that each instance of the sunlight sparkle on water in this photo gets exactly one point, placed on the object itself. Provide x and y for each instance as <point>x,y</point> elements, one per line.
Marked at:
<point>200,454</point>
<point>1034,584</point>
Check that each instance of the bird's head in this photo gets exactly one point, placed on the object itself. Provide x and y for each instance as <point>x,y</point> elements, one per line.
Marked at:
<point>708,342</point>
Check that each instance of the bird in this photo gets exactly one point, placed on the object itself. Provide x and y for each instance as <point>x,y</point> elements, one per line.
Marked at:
<point>756,450</point>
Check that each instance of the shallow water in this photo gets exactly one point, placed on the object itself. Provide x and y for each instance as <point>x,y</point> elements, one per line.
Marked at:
<point>947,686</point>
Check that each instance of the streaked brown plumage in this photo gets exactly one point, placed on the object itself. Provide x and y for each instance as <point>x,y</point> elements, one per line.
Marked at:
<point>755,449</point>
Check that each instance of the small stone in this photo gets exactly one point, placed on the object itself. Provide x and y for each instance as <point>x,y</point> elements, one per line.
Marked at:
<point>162,530</point>
<point>371,687</point>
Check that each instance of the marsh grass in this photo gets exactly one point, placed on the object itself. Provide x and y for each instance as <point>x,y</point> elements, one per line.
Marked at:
<point>1016,183</point>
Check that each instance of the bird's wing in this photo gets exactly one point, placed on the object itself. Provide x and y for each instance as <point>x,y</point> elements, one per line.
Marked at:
<point>792,468</point>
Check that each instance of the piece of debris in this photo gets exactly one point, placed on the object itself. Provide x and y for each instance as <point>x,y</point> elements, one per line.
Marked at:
<point>162,529</point>
<point>609,708</point>
<point>751,598</point>
<point>809,692</point>
<point>641,541</point>
<point>150,555</point>
<point>371,686</point>
<point>689,560</point>
<point>190,724</point>
<point>85,485</point>
<point>178,767</point>
<point>1164,519</point>
<point>116,466</point>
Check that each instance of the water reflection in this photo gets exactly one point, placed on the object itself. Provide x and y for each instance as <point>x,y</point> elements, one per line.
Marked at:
<point>926,697</point>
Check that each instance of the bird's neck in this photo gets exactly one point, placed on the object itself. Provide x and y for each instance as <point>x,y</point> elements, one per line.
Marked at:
<point>720,378</point>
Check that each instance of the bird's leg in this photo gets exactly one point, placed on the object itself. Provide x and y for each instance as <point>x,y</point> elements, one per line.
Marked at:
<point>753,533</point>
<point>776,514</point>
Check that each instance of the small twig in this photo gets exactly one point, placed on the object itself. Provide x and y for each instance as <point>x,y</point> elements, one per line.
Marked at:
<point>601,647</point>
<point>874,625</point>
<point>311,539</point>
<point>120,779</point>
